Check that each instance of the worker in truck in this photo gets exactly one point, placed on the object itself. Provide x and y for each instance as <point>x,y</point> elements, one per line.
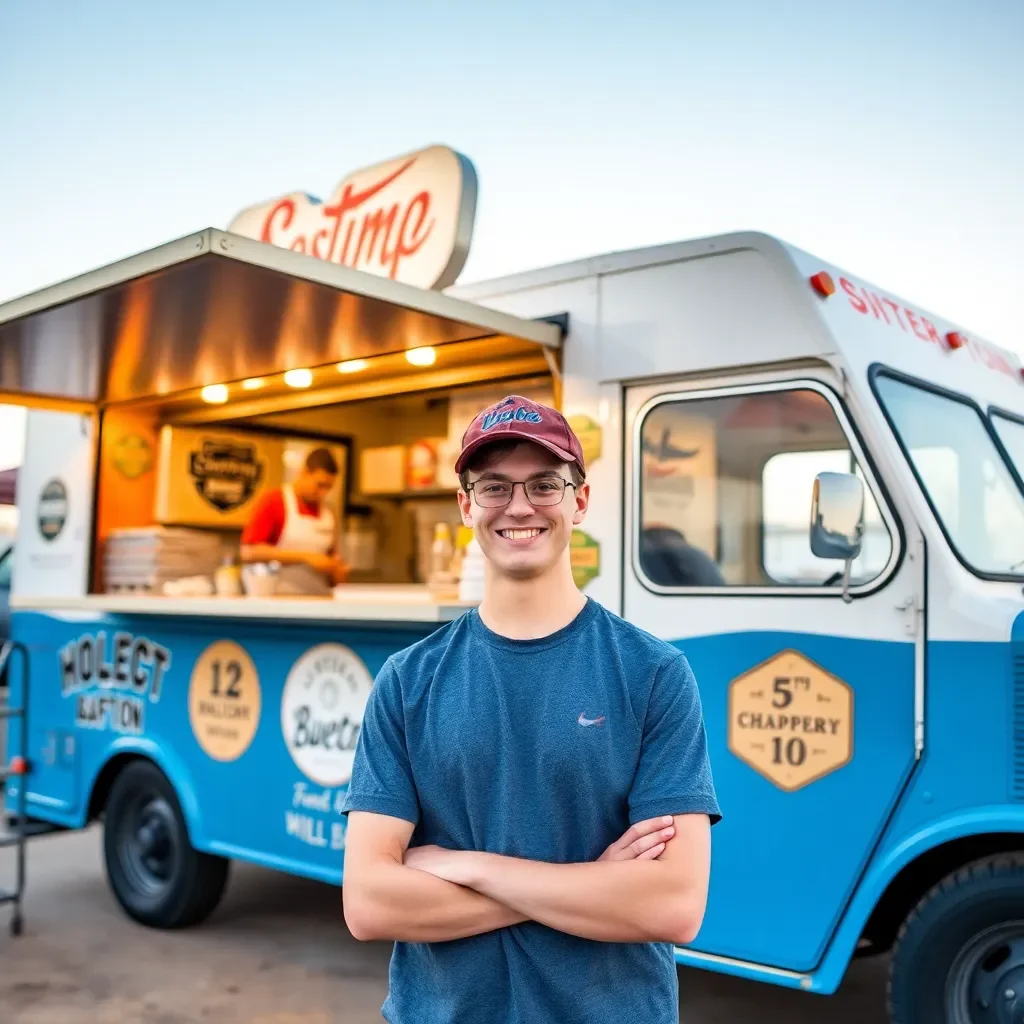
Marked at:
<point>670,560</point>
<point>500,759</point>
<point>294,527</point>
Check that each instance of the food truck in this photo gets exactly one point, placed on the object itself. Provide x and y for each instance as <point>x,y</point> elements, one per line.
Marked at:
<point>813,487</point>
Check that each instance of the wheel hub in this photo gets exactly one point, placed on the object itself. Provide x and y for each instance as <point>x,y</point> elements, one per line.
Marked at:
<point>153,837</point>
<point>147,845</point>
<point>986,983</point>
<point>1009,997</point>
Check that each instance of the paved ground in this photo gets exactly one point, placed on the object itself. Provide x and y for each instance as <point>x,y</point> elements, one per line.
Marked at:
<point>276,952</point>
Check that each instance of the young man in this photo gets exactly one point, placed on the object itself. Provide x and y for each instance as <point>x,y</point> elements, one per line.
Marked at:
<point>293,526</point>
<point>501,757</point>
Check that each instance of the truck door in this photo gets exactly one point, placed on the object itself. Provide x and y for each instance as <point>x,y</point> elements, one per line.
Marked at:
<point>809,699</point>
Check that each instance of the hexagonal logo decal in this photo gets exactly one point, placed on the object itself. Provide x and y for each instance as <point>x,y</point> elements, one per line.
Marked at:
<point>791,720</point>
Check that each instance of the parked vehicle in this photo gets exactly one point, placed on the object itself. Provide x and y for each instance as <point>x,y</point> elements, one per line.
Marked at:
<point>849,468</point>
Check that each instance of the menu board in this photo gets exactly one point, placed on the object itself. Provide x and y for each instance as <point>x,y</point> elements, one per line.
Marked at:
<point>215,477</point>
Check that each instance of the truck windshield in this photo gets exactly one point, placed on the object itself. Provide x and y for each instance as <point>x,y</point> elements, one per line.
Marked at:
<point>969,485</point>
<point>1011,433</point>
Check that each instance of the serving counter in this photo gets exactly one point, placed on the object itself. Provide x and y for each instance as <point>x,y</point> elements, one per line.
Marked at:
<point>356,603</point>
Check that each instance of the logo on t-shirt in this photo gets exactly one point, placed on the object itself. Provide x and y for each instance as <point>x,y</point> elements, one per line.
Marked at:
<point>583,720</point>
<point>322,712</point>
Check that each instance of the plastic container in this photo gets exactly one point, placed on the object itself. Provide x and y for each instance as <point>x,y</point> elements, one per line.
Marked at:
<point>441,551</point>
<point>471,582</point>
<point>227,580</point>
<point>260,578</point>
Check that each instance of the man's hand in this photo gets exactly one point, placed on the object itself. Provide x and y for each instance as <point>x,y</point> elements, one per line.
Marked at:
<point>646,840</point>
<point>320,562</point>
<point>334,569</point>
<point>439,862</point>
<point>339,572</point>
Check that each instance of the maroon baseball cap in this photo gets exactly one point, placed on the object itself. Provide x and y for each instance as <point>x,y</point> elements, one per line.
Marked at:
<point>516,417</point>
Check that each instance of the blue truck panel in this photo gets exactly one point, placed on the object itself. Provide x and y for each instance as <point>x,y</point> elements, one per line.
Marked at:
<point>796,874</point>
<point>154,708</point>
<point>786,863</point>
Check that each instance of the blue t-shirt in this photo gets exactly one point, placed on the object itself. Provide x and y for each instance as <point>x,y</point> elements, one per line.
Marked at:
<point>545,749</point>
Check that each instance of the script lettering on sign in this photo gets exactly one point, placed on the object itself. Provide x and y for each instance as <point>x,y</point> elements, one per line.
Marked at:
<point>899,316</point>
<point>112,676</point>
<point>322,712</point>
<point>791,720</point>
<point>225,474</point>
<point>408,219</point>
<point>304,822</point>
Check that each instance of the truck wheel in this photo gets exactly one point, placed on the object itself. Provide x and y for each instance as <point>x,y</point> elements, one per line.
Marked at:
<point>959,957</point>
<point>153,870</point>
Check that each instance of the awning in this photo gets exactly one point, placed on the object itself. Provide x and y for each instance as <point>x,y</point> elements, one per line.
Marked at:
<point>215,308</point>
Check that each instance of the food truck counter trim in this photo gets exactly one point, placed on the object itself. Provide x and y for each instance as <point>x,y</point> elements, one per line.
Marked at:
<point>353,603</point>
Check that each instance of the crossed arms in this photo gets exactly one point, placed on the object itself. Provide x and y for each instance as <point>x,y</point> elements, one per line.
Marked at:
<point>646,887</point>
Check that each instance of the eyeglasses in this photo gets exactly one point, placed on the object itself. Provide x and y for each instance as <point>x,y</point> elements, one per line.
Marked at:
<point>546,490</point>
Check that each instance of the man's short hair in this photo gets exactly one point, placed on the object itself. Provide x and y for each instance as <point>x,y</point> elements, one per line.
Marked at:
<point>500,448</point>
<point>321,458</point>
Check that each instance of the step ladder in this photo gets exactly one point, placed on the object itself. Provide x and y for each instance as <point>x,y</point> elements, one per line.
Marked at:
<point>18,825</point>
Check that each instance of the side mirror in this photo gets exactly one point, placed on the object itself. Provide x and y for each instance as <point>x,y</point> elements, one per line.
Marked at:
<point>837,516</point>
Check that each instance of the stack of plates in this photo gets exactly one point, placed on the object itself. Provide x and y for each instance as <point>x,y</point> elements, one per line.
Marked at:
<point>145,558</point>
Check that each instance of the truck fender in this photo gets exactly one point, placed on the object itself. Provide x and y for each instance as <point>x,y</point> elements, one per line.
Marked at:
<point>893,858</point>
<point>171,765</point>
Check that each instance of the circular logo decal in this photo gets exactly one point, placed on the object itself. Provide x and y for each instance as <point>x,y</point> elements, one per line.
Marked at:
<point>53,509</point>
<point>224,700</point>
<point>133,456</point>
<point>322,712</point>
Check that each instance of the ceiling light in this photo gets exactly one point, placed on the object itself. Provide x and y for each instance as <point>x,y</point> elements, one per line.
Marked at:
<point>253,383</point>
<point>298,378</point>
<point>421,356</point>
<point>352,366</point>
<point>215,393</point>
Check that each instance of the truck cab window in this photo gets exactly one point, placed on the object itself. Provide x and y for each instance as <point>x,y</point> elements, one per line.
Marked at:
<point>725,492</point>
<point>1011,434</point>
<point>970,487</point>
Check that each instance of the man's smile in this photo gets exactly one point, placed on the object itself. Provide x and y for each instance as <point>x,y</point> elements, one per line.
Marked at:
<point>521,533</point>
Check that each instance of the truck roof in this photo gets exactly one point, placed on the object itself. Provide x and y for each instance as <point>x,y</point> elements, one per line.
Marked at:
<point>861,324</point>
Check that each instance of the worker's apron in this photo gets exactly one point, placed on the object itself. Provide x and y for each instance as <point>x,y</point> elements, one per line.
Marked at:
<point>304,533</point>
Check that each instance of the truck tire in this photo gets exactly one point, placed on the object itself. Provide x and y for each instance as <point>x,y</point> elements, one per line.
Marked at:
<point>152,868</point>
<point>959,956</point>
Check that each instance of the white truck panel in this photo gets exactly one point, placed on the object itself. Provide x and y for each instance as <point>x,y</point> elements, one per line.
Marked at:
<point>735,309</point>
